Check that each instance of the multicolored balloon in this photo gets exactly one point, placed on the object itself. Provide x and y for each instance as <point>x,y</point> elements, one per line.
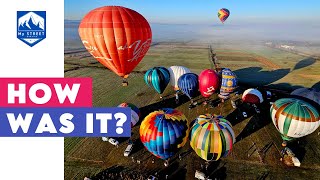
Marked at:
<point>175,73</point>
<point>135,112</point>
<point>308,93</point>
<point>164,132</point>
<point>223,14</point>
<point>188,84</point>
<point>117,37</point>
<point>212,137</point>
<point>294,118</point>
<point>157,78</point>
<point>252,96</point>
<point>209,82</point>
<point>228,81</point>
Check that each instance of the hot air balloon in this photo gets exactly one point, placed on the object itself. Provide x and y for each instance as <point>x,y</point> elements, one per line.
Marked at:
<point>252,96</point>
<point>135,112</point>
<point>189,85</point>
<point>223,14</point>
<point>208,82</point>
<point>228,83</point>
<point>294,118</point>
<point>175,73</point>
<point>157,78</point>
<point>117,37</point>
<point>308,93</point>
<point>228,80</point>
<point>211,137</point>
<point>164,132</point>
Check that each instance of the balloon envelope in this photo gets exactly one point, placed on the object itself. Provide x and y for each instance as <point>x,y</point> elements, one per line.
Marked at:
<point>157,78</point>
<point>252,96</point>
<point>211,137</point>
<point>308,93</point>
<point>228,81</point>
<point>175,73</point>
<point>116,36</point>
<point>294,118</point>
<point>135,112</point>
<point>163,132</point>
<point>188,84</point>
<point>208,82</point>
<point>223,14</point>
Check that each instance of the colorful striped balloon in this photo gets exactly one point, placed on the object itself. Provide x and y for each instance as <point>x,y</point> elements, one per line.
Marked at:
<point>157,78</point>
<point>163,132</point>
<point>223,14</point>
<point>294,118</point>
<point>135,112</point>
<point>212,137</point>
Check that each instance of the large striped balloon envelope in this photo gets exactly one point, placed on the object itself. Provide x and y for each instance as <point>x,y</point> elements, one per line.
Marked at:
<point>212,137</point>
<point>294,118</point>
<point>164,132</point>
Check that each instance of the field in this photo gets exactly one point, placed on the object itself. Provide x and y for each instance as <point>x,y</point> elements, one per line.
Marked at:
<point>255,66</point>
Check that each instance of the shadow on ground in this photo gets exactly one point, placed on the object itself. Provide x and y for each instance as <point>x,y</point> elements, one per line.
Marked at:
<point>260,77</point>
<point>304,63</point>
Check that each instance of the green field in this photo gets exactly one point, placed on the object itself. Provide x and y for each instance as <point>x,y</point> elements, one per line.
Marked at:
<point>254,65</point>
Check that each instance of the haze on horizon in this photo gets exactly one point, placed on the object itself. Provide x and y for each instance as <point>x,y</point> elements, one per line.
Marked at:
<point>197,21</point>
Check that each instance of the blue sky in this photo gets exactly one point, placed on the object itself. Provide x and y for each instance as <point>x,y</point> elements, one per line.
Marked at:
<point>205,11</point>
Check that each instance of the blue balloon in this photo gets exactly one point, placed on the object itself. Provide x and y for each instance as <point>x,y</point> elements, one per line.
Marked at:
<point>157,78</point>
<point>188,84</point>
<point>228,81</point>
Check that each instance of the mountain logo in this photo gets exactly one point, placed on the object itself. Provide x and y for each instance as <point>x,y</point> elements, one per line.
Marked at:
<point>31,26</point>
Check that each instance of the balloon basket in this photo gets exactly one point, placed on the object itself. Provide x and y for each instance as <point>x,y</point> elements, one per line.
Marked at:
<point>284,143</point>
<point>124,81</point>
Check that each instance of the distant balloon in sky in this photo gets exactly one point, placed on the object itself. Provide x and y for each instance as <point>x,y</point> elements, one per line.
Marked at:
<point>223,14</point>
<point>117,37</point>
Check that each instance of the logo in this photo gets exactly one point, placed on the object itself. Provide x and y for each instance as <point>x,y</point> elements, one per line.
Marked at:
<point>139,50</point>
<point>31,26</point>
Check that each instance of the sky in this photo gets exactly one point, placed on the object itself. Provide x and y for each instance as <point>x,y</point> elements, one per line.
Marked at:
<point>205,11</point>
